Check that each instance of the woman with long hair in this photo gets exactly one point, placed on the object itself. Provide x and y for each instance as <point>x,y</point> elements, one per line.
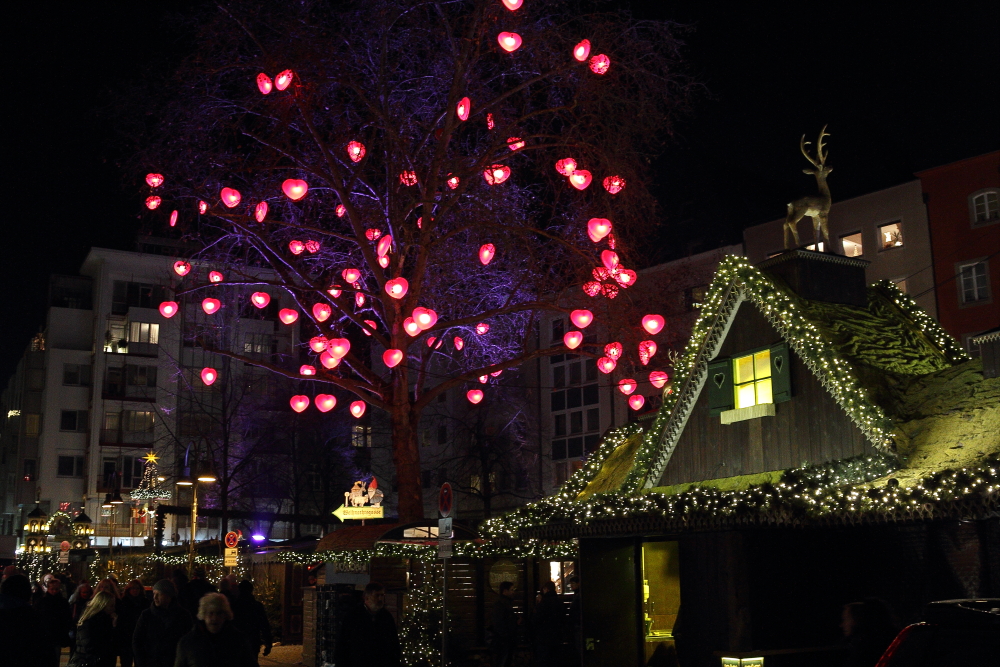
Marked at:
<point>95,633</point>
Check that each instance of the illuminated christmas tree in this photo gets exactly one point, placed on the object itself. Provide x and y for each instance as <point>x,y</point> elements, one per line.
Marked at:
<point>149,486</point>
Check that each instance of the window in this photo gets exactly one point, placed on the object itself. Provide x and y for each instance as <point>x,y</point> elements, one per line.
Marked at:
<point>73,420</point>
<point>575,424</point>
<point>695,296</point>
<point>144,332</point>
<point>558,330</point>
<point>890,235</point>
<point>818,247</point>
<point>260,344</point>
<point>69,466</point>
<point>76,375</point>
<point>29,470</point>
<point>973,282</point>
<point>361,436</point>
<point>752,379</point>
<point>134,420</point>
<point>140,376</point>
<point>32,425</point>
<point>131,472</point>
<point>851,243</point>
<point>984,207</point>
<point>114,337</point>
<point>127,295</point>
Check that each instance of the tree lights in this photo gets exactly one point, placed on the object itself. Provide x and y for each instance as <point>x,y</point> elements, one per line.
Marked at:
<point>572,339</point>
<point>168,309</point>
<point>230,197</point>
<point>582,50</point>
<point>260,299</point>
<point>581,318</point>
<point>299,402</point>
<point>294,189</point>
<point>355,151</point>
<point>397,287</point>
<point>209,376</point>
<point>509,41</point>
<point>211,306</point>
<point>474,395</point>
<point>653,323</point>
<point>598,228</point>
<point>486,252</point>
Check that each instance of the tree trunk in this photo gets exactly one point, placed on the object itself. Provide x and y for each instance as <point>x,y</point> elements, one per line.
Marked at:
<point>406,457</point>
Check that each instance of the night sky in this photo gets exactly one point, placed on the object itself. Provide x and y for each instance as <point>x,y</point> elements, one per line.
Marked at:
<point>903,88</point>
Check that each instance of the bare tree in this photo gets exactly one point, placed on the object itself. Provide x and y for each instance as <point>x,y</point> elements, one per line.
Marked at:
<point>421,140</point>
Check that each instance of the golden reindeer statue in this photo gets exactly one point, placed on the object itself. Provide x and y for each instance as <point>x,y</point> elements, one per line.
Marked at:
<point>816,207</point>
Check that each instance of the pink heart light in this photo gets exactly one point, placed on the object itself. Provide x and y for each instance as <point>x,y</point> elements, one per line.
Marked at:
<point>463,108</point>
<point>496,174</point>
<point>373,233</point>
<point>482,328</point>
<point>358,409</point>
<point>613,350</point>
<point>383,261</point>
<point>260,211</point>
<point>351,275</point>
<point>306,369</point>
<point>283,79</point>
<point>515,143</point>
<point>209,375</point>
<point>600,64</point>
<point>210,306</point>
<point>653,323</point>
<point>627,386</point>
<point>566,166</point>
<point>509,41</point>
<point>598,228</point>
<point>173,218</point>
<point>230,197</point>
<point>626,277</point>
<point>609,258</point>
<point>299,402</point>
<point>339,347</point>
<point>512,5</point>
<point>264,84</point>
<point>328,360</point>
<point>168,309</point>
<point>636,401</point>
<point>425,318</point>
<point>295,189</point>
<point>325,402</point>
<point>392,357</point>
<point>606,364</point>
<point>658,379</point>
<point>581,318</point>
<point>384,246</point>
<point>313,246</point>
<point>474,395</point>
<point>355,151</point>
<point>296,247</point>
<point>614,184</point>
<point>154,180</point>
<point>260,299</point>
<point>215,277</point>
<point>153,202</point>
<point>202,207</point>
<point>453,181</point>
<point>318,343</point>
<point>486,252</point>
<point>182,268</point>
<point>459,343</point>
<point>582,50</point>
<point>397,287</point>
<point>287,315</point>
<point>408,178</point>
<point>321,312</point>
<point>580,179</point>
<point>572,339</point>
<point>411,327</point>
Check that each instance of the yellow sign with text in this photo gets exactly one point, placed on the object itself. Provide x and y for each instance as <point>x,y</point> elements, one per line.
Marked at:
<point>368,512</point>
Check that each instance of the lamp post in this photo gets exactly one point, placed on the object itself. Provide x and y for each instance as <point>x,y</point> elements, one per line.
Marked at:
<point>205,476</point>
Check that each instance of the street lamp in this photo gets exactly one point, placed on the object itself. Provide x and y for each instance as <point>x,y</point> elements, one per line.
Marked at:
<point>205,476</point>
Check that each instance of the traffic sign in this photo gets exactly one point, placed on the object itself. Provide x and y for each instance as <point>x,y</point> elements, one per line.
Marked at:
<point>444,549</point>
<point>445,499</point>
<point>64,546</point>
<point>232,539</point>
<point>231,557</point>
<point>445,531</point>
<point>63,557</point>
<point>367,512</point>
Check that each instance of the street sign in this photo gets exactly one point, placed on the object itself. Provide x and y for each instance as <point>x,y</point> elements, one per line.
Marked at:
<point>445,530</point>
<point>63,557</point>
<point>444,549</point>
<point>231,557</point>
<point>64,546</point>
<point>366,512</point>
<point>232,539</point>
<point>445,499</point>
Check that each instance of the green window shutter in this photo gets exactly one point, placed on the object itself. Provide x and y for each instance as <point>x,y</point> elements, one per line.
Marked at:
<point>781,373</point>
<point>720,386</point>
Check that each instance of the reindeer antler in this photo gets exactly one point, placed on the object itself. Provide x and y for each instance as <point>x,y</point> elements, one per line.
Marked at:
<point>819,148</point>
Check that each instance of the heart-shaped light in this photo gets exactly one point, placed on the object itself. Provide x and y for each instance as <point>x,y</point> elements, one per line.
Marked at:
<point>260,211</point>
<point>512,5</point>
<point>153,202</point>
<point>609,291</point>
<point>486,253</point>
<point>321,312</point>
<point>359,299</point>
<point>283,79</point>
<point>210,306</point>
<point>384,246</point>
<point>341,210</point>
<point>463,108</point>
<point>600,64</point>
<point>613,350</point>
<point>411,327</point>
<point>296,247</point>
<point>264,84</point>
<point>496,174</point>
<point>515,143</point>
<point>582,50</point>
<point>509,41</point>
<point>202,207</point>
<point>173,218</point>
<point>658,379</point>
<point>294,189</point>
<point>306,369</point>
<point>325,402</point>
<point>482,328</point>
<point>653,323</point>
<point>627,386</point>
<point>566,166</point>
<point>592,288</point>
<point>260,299</point>
<point>383,262</point>
<point>313,246</point>
<point>372,233</point>
<point>425,318</point>
<point>626,277</point>
<point>614,184</point>
<point>609,258</point>
<point>335,292</point>
<point>636,401</point>
<point>182,268</point>
<point>351,275</point>
<point>230,197</point>
<point>647,349</point>
<point>474,395</point>
<point>355,150</point>
<point>459,343</point>
<point>581,318</point>
<point>598,228</point>
<point>318,343</point>
<point>392,357</point>
<point>339,347</point>
<point>328,360</point>
<point>606,364</point>
<point>154,180</point>
<point>453,181</point>
<point>397,287</point>
<point>299,402</point>
<point>287,315</point>
<point>580,179</point>
<point>572,339</point>
<point>209,375</point>
<point>168,309</point>
<point>215,277</point>
<point>408,178</point>
<point>358,409</point>
<point>483,379</point>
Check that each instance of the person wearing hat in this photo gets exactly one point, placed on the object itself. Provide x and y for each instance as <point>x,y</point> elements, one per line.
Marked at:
<point>159,628</point>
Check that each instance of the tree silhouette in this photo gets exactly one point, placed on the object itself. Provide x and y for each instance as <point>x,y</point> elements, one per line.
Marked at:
<point>403,159</point>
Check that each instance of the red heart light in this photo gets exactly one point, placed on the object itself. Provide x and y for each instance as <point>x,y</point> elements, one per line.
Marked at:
<point>202,207</point>
<point>614,184</point>
<point>512,5</point>
<point>325,402</point>
<point>230,197</point>
<point>658,379</point>
<point>453,181</point>
<point>566,166</point>
<point>296,247</point>
<point>496,174</point>
<point>168,309</point>
<point>592,288</point>
<point>463,108</point>
<point>572,339</point>
<point>626,277</point>
<point>215,277</point>
<point>383,261</point>
<point>355,151</point>
<point>489,121</point>
<point>313,246</point>
<point>371,325</point>
<point>598,228</point>
<point>636,401</point>
<point>299,402</point>
<point>606,364</point>
<point>328,360</point>
<point>627,386</point>
<point>515,143</point>
<point>653,323</point>
<point>260,211</point>
<point>384,246</point>
<point>408,178</point>
<point>600,64</point>
<point>264,84</point>
<point>610,291</point>
<point>613,350</point>
<point>509,42</point>
<point>430,341</point>
<point>339,347</point>
<point>474,395</point>
<point>580,179</point>
<point>154,180</point>
<point>340,210</point>
<point>486,253</point>
<point>359,299</point>
<point>392,357</point>
<point>483,379</point>
<point>209,375</point>
<point>321,312</point>
<point>306,369</point>
<point>210,306</point>
<point>287,315</point>
<point>581,318</point>
<point>372,234</point>
<point>411,327</point>
<point>647,349</point>
<point>295,189</point>
<point>182,268</point>
<point>482,328</point>
<point>351,275</point>
<point>459,343</point>
<point>173,218</point>
<point>283,79</point>
<point>609,258</point>
<point>425,318</point>
<point>358,409</point>
<point>397,287</point>
<point>318,343</point>
<point>582,50</point>
<point>260,299</point>
<point>153,202</point>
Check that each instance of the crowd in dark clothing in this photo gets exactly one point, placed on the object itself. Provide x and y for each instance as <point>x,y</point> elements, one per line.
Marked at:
<point>186,626</point>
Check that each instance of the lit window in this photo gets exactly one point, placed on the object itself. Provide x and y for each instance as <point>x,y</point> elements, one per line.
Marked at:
<point>985,207</point>
<point>144,332</point>
<point>818,247</point>
<point>890,235</point>
<point>752,379</point>
<point>361,436</point>
<point>974,282</point>
<point>852,244</point>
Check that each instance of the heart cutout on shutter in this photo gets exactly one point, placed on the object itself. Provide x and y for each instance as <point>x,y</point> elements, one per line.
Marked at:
<point>778,363</point>
<point>719,378</point>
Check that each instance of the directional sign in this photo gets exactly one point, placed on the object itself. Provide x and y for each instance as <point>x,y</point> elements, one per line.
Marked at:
<point>232,539</point>
<point>368,512</point>
<point>231,557</point>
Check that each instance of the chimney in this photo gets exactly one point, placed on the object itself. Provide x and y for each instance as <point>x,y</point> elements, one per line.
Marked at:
<point>821,276</point>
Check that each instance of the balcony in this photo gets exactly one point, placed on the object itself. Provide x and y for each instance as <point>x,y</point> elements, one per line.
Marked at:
<point>117,391</point>
<point>117,437</point>
<point>133,348</point>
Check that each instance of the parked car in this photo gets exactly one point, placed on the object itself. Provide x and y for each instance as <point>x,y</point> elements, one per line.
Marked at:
<point>954,633</point>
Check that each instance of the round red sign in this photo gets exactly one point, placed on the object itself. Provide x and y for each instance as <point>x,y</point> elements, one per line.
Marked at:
<point>445,500</point>
<point>232,539</point>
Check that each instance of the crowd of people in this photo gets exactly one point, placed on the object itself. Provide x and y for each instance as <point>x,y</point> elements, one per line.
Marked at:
<point>182,623</point>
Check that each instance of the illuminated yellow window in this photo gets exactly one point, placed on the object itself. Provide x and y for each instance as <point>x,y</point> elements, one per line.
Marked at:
<point>752,379</point>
